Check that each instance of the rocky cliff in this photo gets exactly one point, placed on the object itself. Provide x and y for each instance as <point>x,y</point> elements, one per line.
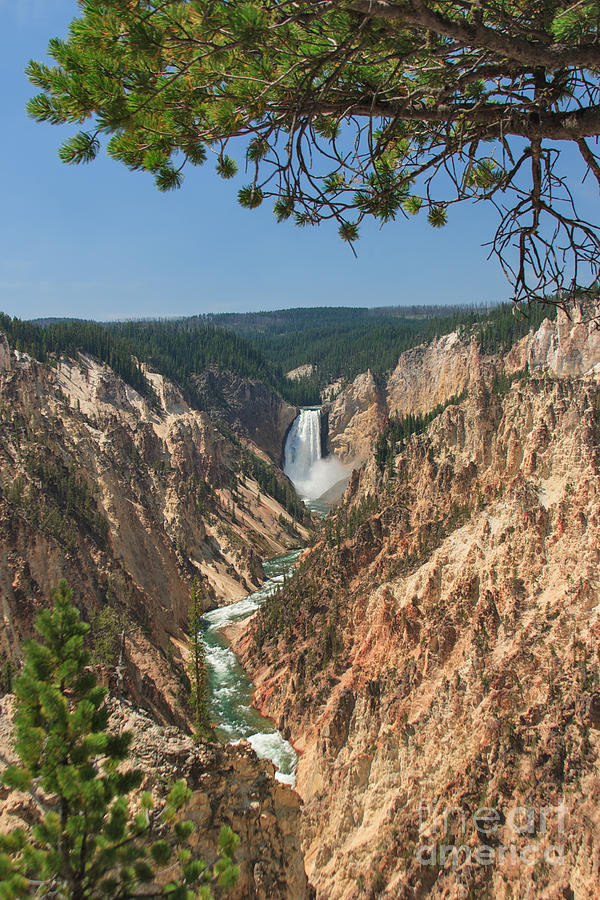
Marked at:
<point>128,500</point>
<point>230,786</point>
<point>432,373</point>
<point>436,658</point>
<point>569,346</point>
<point>355,418</point>
<point>252,410</point>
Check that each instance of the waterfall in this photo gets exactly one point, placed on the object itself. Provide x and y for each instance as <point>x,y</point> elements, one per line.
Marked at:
<point>311,475</point>
<point>303,446</point>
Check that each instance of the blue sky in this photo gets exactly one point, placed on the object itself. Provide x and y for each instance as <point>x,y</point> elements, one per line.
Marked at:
<point>100,242</point>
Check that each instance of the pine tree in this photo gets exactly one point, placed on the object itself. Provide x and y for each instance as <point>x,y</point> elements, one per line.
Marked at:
<point>88,844</point>
<point>197,667</point>
<point>386,109</point>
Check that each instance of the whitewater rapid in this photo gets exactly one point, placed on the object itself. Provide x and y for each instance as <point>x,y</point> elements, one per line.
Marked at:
<point>230,689</point>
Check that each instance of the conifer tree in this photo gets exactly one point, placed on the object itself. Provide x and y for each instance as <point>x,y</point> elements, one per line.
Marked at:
<point>348,109</point>
<point>88,844</point>
<point>197,666</point>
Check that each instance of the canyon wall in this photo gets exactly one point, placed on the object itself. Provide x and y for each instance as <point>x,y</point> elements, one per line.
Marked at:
<point>355,418</point>
<point>251,409</point>
<point>128,500</point>
<point>438,650</point>
<point>434,372</point>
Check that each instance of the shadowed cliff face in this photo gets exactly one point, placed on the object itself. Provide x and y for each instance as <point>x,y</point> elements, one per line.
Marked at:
<point>128,503</point>
<point>252,410</point>
<point>440,647</point>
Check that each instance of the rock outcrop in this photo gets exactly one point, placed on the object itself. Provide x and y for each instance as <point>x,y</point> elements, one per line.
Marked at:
<point>568,346</point>
<point>438,653</point>
<point>435,372</point>
<point>428,375</point>
<point>230,786</point>
<point>355,418</point>
<point>301,372</point>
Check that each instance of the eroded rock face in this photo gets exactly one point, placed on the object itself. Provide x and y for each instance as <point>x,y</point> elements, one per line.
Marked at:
<point>127,502</point>
<point>428,375</point>
<point>355,418</point>
<point>230,786</point>
<point>5,354</point>
<point>424,377</point>
<point>300,372</point>
<point>445,652</point>
<point>568,346</point>
<point>250,408</point>
<point>447,367</point>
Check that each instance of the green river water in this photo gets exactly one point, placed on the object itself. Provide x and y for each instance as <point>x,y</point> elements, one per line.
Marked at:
<point>230,689</point>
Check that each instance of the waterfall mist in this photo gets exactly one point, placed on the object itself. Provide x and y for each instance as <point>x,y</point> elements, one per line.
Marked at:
<point>311,474</point>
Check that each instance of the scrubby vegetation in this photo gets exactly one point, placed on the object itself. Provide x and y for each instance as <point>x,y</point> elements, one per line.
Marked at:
<point>109,626</point>
<point>347,520</point>
<point>57,499</point>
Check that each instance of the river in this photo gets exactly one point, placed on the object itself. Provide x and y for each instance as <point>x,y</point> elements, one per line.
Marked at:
<point>230,689</point>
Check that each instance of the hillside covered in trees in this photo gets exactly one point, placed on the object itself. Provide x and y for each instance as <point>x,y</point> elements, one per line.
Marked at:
<point>339,342</point>
<point>177,349</point>
<point>342,342</point>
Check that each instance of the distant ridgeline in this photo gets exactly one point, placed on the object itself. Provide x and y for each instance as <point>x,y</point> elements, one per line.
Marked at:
<point>176,349</point>
<point>340,342</point>
<point>343,342</point>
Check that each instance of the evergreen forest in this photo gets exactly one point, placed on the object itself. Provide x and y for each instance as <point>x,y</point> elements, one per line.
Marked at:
<point>338,342</point>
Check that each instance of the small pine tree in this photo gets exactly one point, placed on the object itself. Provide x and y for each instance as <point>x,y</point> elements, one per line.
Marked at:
<point>88,845</point>
<point>197,667</point>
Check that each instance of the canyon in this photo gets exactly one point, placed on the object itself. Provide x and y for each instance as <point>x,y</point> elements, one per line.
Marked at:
<point>129,500</point>
<point>166,489</point>
<point>437,647</point>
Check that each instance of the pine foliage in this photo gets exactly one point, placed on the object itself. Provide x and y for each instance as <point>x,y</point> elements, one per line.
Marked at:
<point>90,844</point>
<point>197,672</point>
<point>354,109</point>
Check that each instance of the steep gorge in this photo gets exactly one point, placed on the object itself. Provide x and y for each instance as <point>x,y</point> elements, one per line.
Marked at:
<point>440,644</point>
<point>438,647</point>
<point>128,502</point>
